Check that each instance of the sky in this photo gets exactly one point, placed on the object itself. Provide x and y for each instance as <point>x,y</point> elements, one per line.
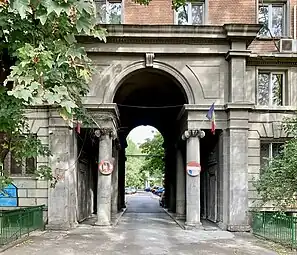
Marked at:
<point>139,134</point>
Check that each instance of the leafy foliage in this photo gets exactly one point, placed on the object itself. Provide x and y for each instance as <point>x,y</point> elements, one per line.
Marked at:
<point>175,3</point>
<point>50,66</point>
<point>41,63</point>
<point>134,176</point>
<point>154,162</point>
<point>278,180</point>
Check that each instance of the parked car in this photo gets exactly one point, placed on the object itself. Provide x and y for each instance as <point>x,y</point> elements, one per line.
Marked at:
<point>159,191</point>
<point>154,189</point>
<point>128,191</point>
<point>134,190</point>
<point>147,189</point>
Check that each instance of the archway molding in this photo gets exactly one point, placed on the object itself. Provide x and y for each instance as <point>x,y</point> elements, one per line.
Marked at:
<point>119,79</point>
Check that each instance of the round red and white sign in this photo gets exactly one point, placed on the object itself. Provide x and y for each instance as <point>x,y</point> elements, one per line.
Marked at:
<point>193,168</point>
<point>105,167</point>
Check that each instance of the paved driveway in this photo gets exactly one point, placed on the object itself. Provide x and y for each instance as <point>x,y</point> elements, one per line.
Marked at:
<point>144,229</point>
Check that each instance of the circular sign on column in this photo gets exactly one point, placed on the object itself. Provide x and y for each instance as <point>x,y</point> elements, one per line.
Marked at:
<point>193,168</point>
<point>105,167</point>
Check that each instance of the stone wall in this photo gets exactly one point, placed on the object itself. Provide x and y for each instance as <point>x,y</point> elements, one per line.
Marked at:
<point>267,127</point>
<point>265,123</point>
<point>31,191</point>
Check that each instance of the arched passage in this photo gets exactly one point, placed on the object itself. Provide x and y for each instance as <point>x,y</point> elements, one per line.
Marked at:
<point>153,97</point>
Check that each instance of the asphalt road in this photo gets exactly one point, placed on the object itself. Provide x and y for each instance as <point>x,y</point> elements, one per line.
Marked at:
<point>143,230</point>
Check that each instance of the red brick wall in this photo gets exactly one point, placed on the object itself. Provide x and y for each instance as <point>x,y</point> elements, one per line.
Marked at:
<point>263,46</point>
<point>219,12</point>
<point>231,11</point>
<point>157,12</point>
<point>292,3</point>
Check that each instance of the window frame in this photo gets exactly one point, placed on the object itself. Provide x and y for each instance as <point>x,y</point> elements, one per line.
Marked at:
<point>8,166</point>
<point>107,4</point>
<point>190,17</point>
<point>286,19</point>
<point>284,96</point>
<point>270,148</point>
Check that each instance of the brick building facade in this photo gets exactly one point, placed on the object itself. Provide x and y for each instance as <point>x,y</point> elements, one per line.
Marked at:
<point>165,68</point>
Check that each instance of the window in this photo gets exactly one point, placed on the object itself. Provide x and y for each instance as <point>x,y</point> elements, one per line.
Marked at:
<point>273,16</point>
<point>109,11</point>
<point>271,88</point>
<point>190,14</point>
<point>27,166</point>
<point>268,151</point>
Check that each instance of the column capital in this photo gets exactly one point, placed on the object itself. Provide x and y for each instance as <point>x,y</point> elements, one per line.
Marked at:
<point>193,133</point>
<point>102,132</point>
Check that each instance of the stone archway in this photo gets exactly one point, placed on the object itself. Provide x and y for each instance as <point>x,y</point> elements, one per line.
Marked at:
<point>119,79</point>
<point>152,96</point>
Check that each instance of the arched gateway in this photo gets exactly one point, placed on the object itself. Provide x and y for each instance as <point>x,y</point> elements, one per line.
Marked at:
<point>172,90</point>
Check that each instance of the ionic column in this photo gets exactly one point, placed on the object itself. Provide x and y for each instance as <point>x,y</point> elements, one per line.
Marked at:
<point>193,182</point>
<point>106,136</point>
<point>180,186</point>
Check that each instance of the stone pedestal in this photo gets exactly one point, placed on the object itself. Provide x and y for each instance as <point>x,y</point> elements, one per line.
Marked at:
<point>62,197</point>
<point>104,182</point>
<point>180,186</point>
<point>236,170</point>
<point>193,182</point>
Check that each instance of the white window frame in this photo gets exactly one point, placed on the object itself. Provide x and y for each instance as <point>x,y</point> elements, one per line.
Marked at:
<point>270,150</point>
<point>284,87</point>
<point>190,18</point>
<point>286,15</point>
<point>107,4</point>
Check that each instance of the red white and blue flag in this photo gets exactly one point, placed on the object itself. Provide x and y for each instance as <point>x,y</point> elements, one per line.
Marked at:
<point>211,116</point>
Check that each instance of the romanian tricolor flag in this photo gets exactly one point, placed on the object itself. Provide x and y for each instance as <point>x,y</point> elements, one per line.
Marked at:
<point>211,116</point>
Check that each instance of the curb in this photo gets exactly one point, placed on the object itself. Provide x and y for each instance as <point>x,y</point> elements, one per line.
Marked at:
<point>117,220</point>
<point>180,224</point>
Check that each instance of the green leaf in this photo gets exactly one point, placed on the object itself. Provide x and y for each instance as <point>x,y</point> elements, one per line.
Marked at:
<point>70,38</point>
<point>100,34</point>
<point>83,25</point>
<point>42,18</point>
<point>22,7</point>
<point>34,85</point>
<point>68,105</point>
<point>86,6</point>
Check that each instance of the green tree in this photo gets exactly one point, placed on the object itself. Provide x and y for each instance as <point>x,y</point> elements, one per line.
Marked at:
<point>134,176</point>
<point>41,63</point>
<point>278,179</point>
<point>154,161</point>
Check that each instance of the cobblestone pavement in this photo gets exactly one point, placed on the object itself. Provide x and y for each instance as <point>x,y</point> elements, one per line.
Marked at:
<point>144,229</point>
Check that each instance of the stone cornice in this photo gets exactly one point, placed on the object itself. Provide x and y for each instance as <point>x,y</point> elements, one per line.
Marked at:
<point>273,58</point>
<point>242,32</point>
<point>104,112</point>
<point>237,53</point>
<point>242,106</point>
<point>173,34</point>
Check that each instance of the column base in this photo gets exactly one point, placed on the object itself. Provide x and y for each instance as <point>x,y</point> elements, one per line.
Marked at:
<point>193,225</point>
<point>180,216</point>
<point>239,228</point>
<point>102,224</point>
<point>60,227</point>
